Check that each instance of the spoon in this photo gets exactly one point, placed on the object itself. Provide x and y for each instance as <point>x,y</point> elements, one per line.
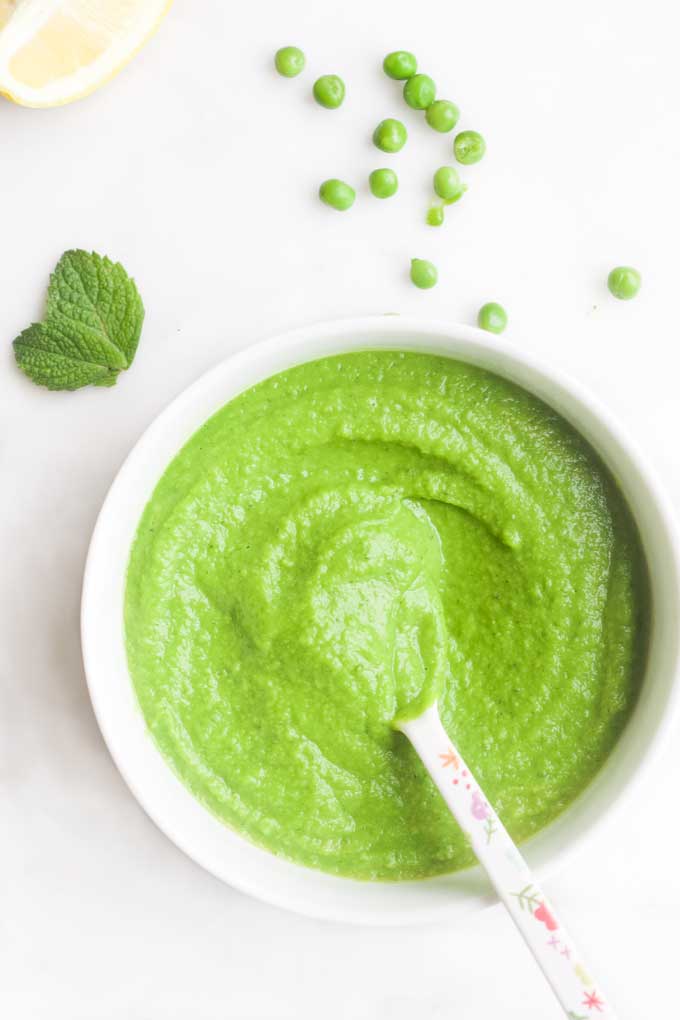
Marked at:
<point>554,950</point>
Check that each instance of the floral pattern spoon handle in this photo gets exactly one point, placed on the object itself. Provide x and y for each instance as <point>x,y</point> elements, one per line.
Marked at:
<point>554,950</point>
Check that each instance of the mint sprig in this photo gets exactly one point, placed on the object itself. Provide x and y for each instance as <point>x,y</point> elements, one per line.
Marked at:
<point>91,328</point>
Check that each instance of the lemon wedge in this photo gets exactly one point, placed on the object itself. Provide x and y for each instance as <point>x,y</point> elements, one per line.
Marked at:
<point>55,51</point>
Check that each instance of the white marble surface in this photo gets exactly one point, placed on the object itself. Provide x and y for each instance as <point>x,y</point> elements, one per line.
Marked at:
<point>197,168</point>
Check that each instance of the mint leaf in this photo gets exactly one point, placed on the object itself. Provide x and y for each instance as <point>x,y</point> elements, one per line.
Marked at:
<point>44,354</point>
<point>92,324</point>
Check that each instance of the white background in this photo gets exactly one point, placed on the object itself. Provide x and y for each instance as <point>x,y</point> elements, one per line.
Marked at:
<point>197,168</point>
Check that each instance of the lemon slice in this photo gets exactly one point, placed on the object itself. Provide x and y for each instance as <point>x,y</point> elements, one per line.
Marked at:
<point>55,51</point>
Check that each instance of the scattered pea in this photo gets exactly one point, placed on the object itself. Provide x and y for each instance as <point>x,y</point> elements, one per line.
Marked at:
<point>329,91</point>
<point>337,194</point>
<point>400,65</point>
<point>447,183</point>
<point>383,183</point>
<point>469,147</point>
<point>442,115</point>
<point>390,135</point>
<point>492,317</point>
<point>423,273</point>
<point>289,61</point>
<point>419,91</point>
<point>624,282</point>
<point>435,215</point>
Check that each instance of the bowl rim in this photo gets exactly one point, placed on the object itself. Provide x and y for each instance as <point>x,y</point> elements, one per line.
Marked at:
<point>229,856</point>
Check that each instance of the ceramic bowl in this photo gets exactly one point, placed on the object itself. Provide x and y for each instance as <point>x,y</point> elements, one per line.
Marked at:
<point>202,836</point>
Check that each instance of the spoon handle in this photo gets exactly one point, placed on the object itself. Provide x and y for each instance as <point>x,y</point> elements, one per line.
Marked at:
<point>528,906</point>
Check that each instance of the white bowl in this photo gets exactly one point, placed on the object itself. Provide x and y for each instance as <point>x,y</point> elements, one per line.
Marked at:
<point>211,843</point>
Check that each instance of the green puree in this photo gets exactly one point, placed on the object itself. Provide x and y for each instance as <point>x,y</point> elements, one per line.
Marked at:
<point>350,539</point>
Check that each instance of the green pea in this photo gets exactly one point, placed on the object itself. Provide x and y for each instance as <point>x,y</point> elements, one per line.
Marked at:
<point>423,273</point>
<point>400,65</point>
<point>447,183</point>
<point>337,194</point>
<point>435,215</point>
<point>329,91</point>
<point>469,147</point>
<point>383,183</point>
<point>419,91</point>
<point>492,317</point>
<point>390,135</point>
<point>442,115</point>
<point>624,282</point>
<point>289,61</point>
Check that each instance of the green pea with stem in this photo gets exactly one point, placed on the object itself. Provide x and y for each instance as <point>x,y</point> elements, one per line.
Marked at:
<point>420,91</point>
<point>329,91</point>
<point>423,274</point>
<point>289,61</point>
<point>337,194</point>
<point>400,65</point>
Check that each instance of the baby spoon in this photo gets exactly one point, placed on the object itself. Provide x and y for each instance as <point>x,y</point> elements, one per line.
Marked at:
<point>554,951</point>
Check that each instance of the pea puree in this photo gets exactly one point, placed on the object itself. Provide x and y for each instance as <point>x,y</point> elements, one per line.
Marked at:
<point>345,542</point>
